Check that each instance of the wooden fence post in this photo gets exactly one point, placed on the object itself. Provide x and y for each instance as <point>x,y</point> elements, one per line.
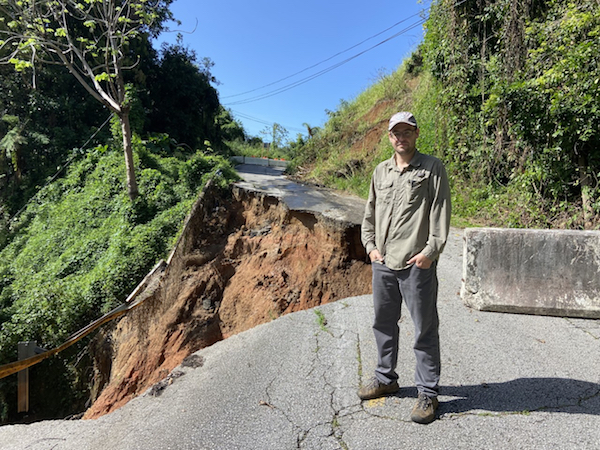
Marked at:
<point>26,350</point>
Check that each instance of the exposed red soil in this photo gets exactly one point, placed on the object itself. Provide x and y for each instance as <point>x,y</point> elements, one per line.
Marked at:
<point>378,117</point>
<point>251,260</point>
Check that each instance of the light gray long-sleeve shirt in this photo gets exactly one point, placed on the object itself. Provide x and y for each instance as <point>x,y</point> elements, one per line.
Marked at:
<point>408,211</point>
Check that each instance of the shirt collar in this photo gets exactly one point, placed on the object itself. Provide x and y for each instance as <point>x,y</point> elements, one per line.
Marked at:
<point>416,161</point>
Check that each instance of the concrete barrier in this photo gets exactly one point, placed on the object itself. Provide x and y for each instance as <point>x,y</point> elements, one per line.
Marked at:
<point>259,161</point>
<point>548,272</point>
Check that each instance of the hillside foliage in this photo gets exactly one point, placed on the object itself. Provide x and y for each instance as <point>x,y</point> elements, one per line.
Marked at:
<point>82,246</point>
<point>507,94</point>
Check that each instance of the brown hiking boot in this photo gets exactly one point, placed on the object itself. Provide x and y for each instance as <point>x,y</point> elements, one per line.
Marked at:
<point>375,388</point>
<point>424,410</point>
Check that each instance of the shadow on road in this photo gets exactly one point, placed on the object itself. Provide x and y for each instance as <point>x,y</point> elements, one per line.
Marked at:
<point>520,396</point>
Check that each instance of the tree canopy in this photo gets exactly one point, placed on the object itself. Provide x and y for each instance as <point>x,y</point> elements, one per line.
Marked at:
<point>90,38</point>
<point>49,120</point>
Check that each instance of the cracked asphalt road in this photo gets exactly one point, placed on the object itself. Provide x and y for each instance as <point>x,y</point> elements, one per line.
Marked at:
<point>508,381</point>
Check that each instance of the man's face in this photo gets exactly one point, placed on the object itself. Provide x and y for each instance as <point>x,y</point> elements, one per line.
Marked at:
<point>403,138</point>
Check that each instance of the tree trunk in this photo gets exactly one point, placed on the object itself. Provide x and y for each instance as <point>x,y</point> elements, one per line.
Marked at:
<point>132,187</point>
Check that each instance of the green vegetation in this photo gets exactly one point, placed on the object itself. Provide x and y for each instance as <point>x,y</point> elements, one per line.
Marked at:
<point>89,39</point>
<point>256,149</point>
<point>506,94</point>
<point>82,246</point>
<point>45,112</point>
<point>321,320</point>
<point>278,148</point>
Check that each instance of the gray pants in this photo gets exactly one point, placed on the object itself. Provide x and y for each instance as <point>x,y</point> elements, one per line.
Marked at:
<point>418,288</point>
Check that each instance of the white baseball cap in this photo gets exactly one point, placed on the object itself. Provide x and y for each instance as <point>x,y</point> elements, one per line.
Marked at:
<point>402,117</point>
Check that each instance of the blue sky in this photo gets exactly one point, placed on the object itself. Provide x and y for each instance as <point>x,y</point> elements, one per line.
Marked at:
<point>256,43</point>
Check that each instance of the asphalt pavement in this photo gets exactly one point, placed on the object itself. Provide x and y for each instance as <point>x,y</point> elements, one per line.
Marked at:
<point>301,197</point>
<point>508,382</point>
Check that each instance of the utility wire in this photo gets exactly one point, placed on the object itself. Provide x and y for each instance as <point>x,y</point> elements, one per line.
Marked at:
<point>254,119</point>
<point>264,122</point>
<point>311,77</point>
<point>324,71</point>
<point>327,59</point>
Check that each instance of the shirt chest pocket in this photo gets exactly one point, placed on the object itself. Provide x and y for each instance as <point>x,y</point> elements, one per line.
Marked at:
<point>384,191</point>
<point>418,187</point>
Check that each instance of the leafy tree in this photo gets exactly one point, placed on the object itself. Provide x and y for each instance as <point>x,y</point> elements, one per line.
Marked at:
<point>555,102</point>
<point>295,147</point>
<point>53,119</point>
<point>277,133</point>
<point>90,38</point>
<point>312,131</point>
<point>183,103</point>
<point>13,141</point>
<point>230,128</point>
<point>519,95</point>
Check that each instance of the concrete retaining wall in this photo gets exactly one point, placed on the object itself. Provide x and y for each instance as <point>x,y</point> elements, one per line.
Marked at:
<point>549,272</point>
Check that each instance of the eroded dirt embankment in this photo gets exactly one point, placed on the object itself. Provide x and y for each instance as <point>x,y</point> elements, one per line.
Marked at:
<point>250,260</point>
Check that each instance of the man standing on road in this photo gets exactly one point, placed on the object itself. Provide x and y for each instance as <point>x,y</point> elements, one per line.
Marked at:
<point>404,230</point>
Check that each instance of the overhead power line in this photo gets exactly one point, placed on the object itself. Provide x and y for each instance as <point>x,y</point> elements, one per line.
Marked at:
<point>253,119</point>
<point>335,66</point>
<point>327,59</point>
<point>326,70</point>
<point>264,122</point>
